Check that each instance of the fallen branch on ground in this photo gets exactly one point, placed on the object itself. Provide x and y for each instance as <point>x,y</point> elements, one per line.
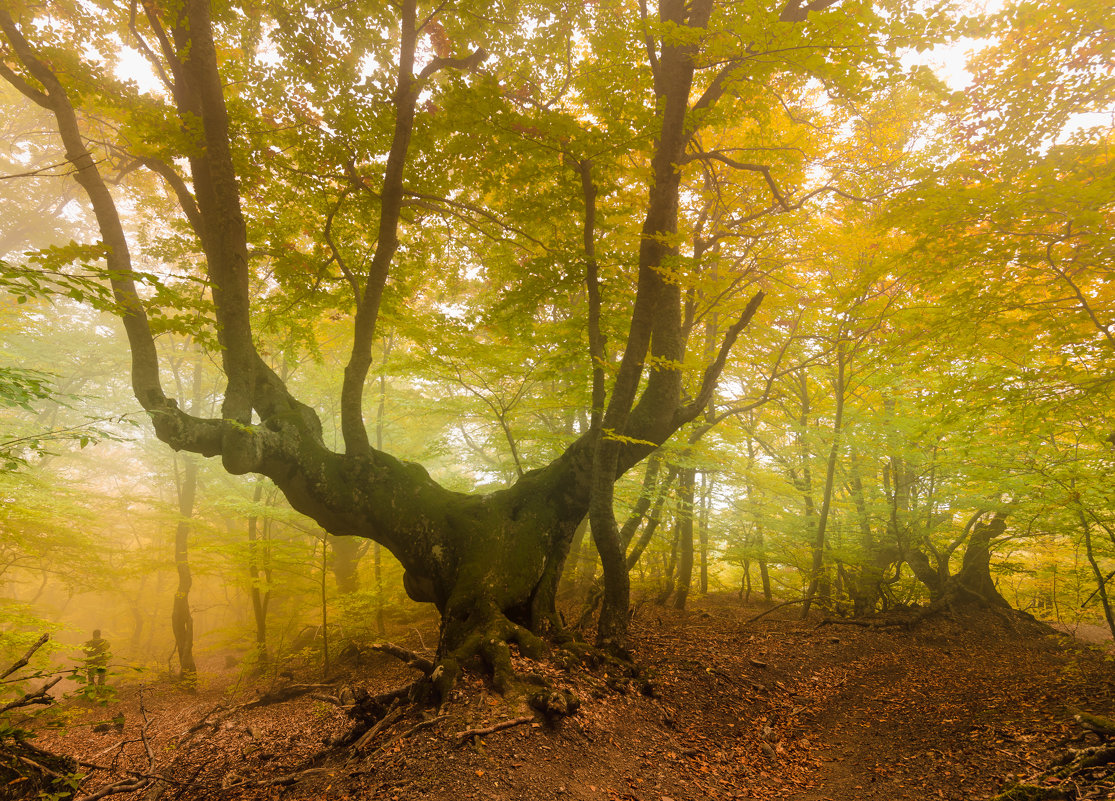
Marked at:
<point>464,736</point>
<point>409,657</point>
<point>137,780</point>
<point>774,608</point>
<point>286,693</point>
<point>867,624</point>
<point>284,779</point>
<point>393,715</point>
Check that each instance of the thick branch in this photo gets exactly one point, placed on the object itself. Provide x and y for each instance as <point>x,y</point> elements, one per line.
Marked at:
<point>223,232</point>
<point>713,371</point>
<point>145,366</point>
<point>391,200</point>
<point>592,285</point>
<point>794,11</point>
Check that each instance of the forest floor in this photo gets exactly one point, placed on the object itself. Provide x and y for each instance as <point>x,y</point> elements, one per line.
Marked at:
<point>771,709</point>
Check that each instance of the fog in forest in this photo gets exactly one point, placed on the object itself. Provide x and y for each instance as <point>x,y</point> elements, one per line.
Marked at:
<point>479,339</point>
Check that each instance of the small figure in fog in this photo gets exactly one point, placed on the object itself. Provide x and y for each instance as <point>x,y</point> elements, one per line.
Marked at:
<point>96,659</point>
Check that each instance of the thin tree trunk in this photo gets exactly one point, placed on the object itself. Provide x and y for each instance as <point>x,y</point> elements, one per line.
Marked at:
<point>1101,582</point>
<point>260,599</point>
<point>377,555</point>
<point>181,620</point>
<point>702,528</point>
<point>686,480</point>
<point>805,485</point>
<point>670,564</point>
<point>830,480</point>
<point>653,519</point>
<point>753,505</point>
<point>324,606</point>
<point>377,573</point>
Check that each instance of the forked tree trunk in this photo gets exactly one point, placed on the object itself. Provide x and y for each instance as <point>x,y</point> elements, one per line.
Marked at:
<point>491,562</point>
<point>973,581</point>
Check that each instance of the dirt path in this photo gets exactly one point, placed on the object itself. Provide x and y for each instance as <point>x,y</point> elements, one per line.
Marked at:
<point>776,709</point>
<point>947,712</point>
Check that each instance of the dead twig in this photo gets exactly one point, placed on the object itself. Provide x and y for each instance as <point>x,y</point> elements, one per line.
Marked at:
<point>866,624</point>
<point>137,780</point>
<point>122,786</point>
<point>284,779</point>
<point>774,608</point>
<point>287,693</point>
<point>394,714</point>
<point>39,696</point>
<point>204,722</point>
<point>426,724</point>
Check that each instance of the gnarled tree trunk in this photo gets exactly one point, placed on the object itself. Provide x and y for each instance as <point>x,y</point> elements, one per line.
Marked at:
<point>489,562</point>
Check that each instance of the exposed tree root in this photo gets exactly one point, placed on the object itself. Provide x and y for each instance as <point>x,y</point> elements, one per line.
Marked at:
<point>774,608</point>
<point>954,605</point>
<point>492,644</point>
<point>1076,769</point>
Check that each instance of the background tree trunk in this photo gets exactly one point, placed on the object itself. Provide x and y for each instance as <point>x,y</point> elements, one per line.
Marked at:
<point>181,620</point>
<point>686,482</point>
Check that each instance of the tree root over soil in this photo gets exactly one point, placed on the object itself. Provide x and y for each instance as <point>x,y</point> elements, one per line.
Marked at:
<point>1081,773</point>
<point>951,607</point>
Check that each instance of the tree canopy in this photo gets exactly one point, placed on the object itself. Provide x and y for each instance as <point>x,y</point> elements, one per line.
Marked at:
<point>529,244</point>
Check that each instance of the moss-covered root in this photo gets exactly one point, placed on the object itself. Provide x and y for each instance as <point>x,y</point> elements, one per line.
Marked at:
<point>1105,727</point>
<point>492,644</point>
<point>1074,763</point>
<point>1029,792</point>
<point>623,674</point>
<point>554,704</point>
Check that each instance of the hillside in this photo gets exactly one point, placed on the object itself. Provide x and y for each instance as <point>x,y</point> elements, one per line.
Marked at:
<point>774,708</point>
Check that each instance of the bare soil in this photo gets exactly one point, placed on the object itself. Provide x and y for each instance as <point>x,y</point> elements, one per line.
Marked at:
<point>775,708</point>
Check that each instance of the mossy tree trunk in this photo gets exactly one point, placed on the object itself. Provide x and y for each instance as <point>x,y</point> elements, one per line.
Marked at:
<point>972,583</point>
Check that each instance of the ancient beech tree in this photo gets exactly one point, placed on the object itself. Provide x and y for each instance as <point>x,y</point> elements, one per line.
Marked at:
<point>682,75</point>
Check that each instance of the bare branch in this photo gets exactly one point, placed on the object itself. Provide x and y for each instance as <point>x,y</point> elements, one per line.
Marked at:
<point>23,660</point>
<point>794,11</point>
